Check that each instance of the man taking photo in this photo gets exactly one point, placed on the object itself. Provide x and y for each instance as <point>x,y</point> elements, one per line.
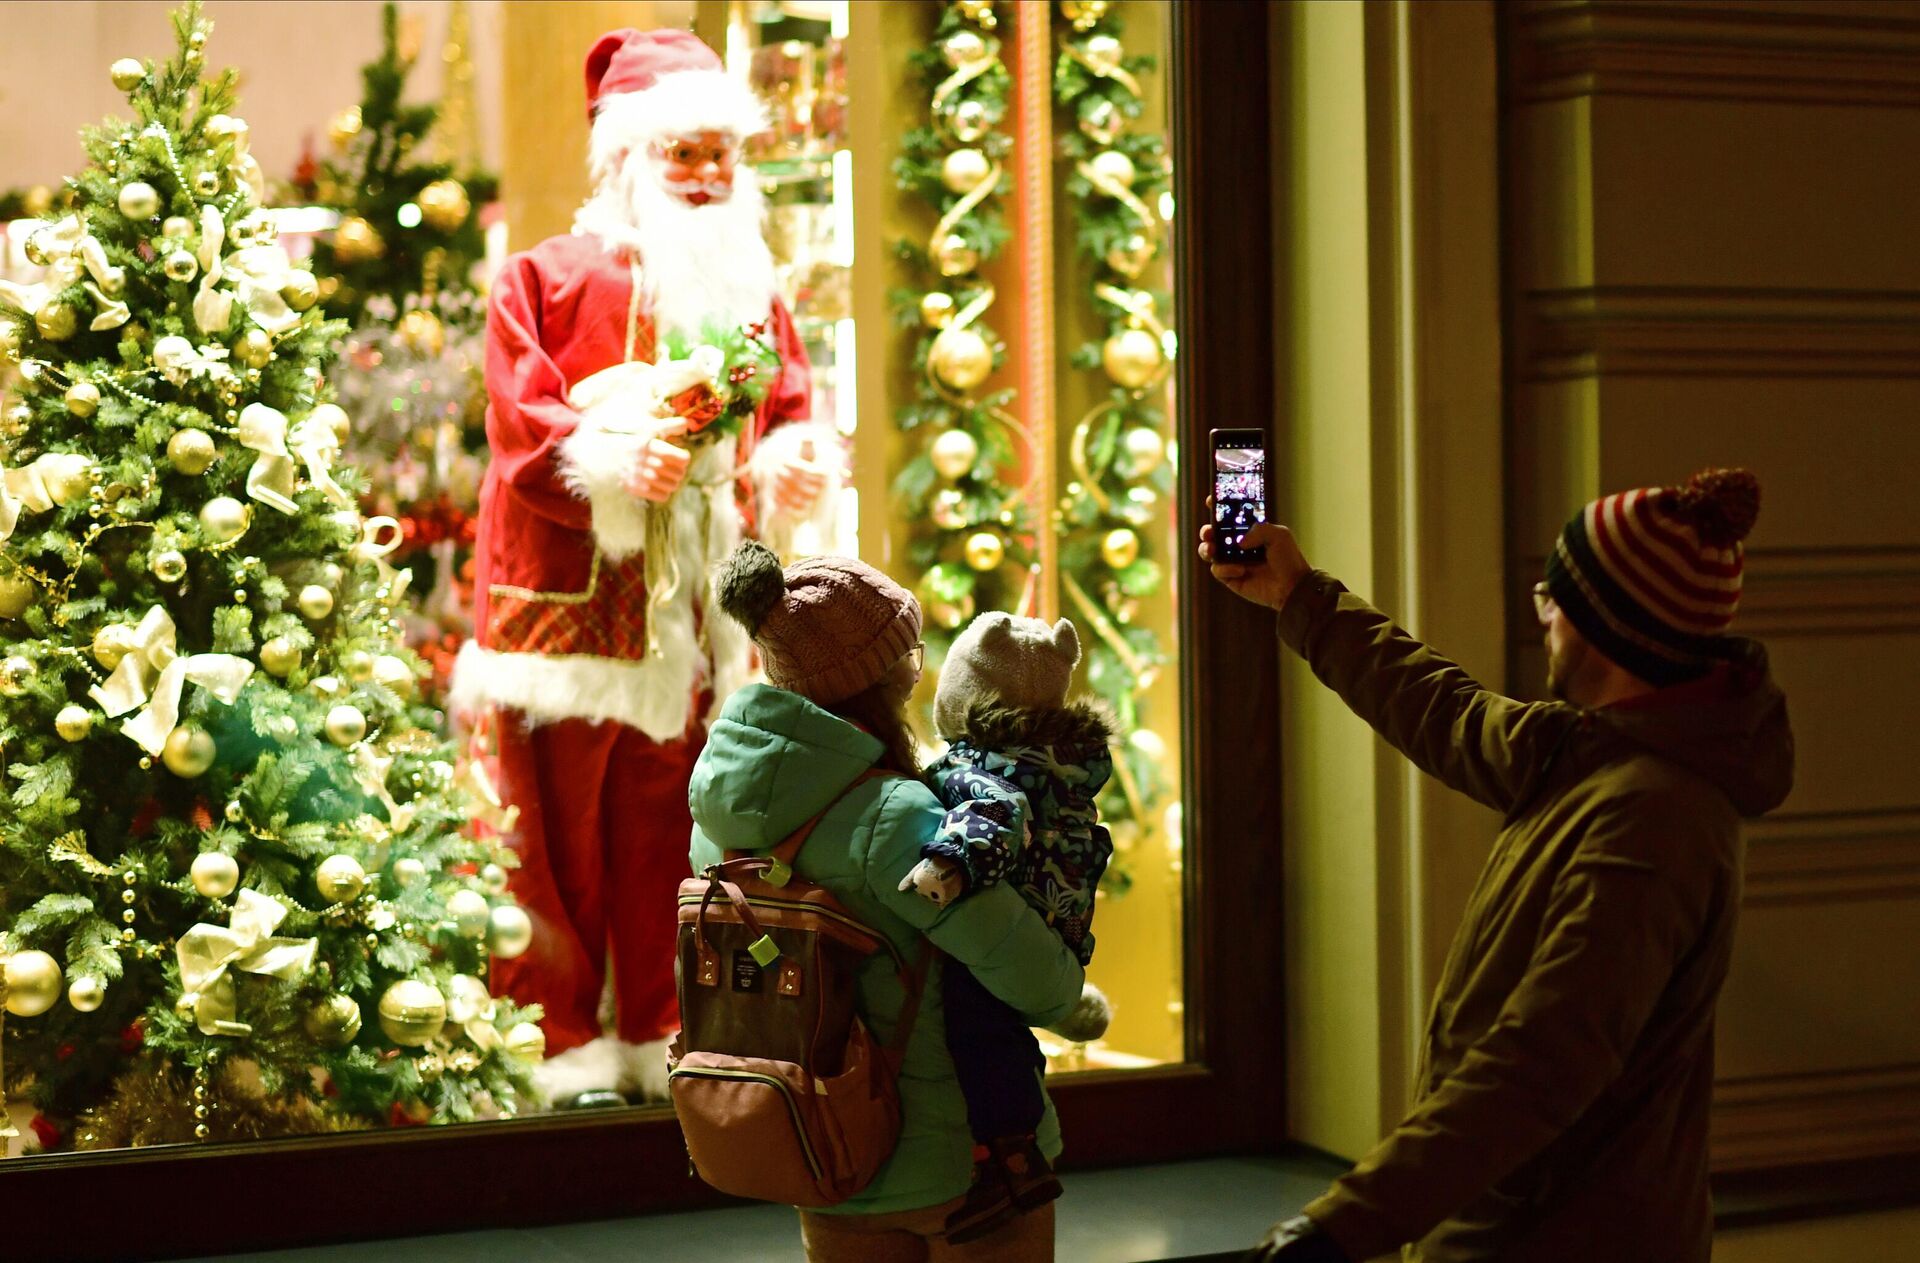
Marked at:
<point>1560,1106</point>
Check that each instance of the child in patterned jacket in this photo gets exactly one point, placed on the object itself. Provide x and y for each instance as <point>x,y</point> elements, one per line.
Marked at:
<point>1019,778</point>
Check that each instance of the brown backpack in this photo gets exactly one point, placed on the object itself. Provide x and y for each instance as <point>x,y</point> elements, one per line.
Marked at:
<point>782,1092</point>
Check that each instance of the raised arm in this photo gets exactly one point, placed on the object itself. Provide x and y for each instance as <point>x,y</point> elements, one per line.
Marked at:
<point>528,418</point>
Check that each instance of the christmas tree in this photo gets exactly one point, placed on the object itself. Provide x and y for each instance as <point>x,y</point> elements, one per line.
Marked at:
<point>408,246</point>
<point>227,837</point>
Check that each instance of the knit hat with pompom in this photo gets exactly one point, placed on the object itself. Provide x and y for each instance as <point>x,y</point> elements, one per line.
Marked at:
<point>1652,577</point>
<point>827,627</point>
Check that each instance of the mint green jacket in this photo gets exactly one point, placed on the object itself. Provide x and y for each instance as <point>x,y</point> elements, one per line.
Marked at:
<point>772,761</point>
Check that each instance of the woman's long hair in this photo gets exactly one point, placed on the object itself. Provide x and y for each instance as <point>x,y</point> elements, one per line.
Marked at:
<point>882,711</point>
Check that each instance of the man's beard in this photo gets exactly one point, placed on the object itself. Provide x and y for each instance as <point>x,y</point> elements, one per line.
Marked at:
<point>704,267</point>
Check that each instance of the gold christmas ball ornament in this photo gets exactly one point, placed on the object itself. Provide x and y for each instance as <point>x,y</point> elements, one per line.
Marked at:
<point>444,205</point>
<point>73,723</point>
<point>335,417</point>
<point>279,657</point>
<point>954,257</point>
<point>1103,53</point>
<point>169,566</point>
<point>178,227</point>
<point>254,349</point>
<point>1143,450</point>
<point>1120,548</point>
<point>468,911</point>
<point>345,725</point>
<point>16,594</point>
<point>985,551</point>
<point>422,333</point>
<point>936,309</point>
<point>1084,14</point>
<point>86,993</point>
<point>357,666</point>
<point>214,875</point>
<point>9,339</point>
<point>1131,357</point>
<point>961,358</point>
<point>139,200</point>
<point>181,266</point>
<point>963,48</point>
<point>409,872</point>
<point>70,482</point>
<point>1114,167</point>
<point>509,931</point>
<point>1130,256</point>
<point>33,983</point>
<point>394,673</point>
<point>300,290</point>
<point>493,879</point>
<point>334,1021</point>
<point>189,751</point>
<point>344,127</point>
<point>964,170</point>
<point>356,241</point>
<point>970,121</point>
<point>56,321</point>
<point>190,452</point>
<point>948,509</point>
<point>412,1013</point>
<point>223,518</point>
<point>954,453</point>
<point>83,399</point>
<point>340,879</point>
<point>16,675</point>
<point>206,183</point>
<point>943,612</point>
<point>127,73</point>
<point>315,602</point>
<point>526,1043</point>
<point>112,643</point>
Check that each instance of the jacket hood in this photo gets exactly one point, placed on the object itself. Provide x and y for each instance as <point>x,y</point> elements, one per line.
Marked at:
<point>773,760</point>
<point>1730,727</point>
<point>990,726</point>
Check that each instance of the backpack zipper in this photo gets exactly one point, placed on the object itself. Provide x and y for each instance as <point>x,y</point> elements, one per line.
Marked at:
<point>814,909</point>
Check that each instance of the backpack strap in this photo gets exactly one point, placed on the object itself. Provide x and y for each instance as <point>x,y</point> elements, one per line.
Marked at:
<point>780,870</point>
<point>914,981</point>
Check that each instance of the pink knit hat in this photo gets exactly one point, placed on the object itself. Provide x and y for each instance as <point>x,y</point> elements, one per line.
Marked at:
<point>827,627</point>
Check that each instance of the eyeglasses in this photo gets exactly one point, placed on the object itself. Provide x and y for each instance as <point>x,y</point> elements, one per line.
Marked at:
<point>918,656</point>
<point>1543,603</point>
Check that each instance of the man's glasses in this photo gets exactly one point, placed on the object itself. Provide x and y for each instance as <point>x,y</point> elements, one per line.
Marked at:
<point>1543,603</point>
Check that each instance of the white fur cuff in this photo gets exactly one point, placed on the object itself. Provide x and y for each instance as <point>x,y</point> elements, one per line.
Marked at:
<point>595,465</point>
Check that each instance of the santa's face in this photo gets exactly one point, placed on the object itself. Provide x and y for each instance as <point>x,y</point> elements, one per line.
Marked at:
<point>699,168</point>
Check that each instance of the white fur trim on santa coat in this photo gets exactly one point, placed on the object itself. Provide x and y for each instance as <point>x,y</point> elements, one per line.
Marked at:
<point>814,532</point>
<point>684,103</point>
<point>595,465</point>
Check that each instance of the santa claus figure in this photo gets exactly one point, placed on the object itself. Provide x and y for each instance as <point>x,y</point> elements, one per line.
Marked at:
<point>646,390</point>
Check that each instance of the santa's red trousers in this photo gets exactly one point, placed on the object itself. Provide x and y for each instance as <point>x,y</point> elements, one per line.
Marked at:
<point>602,838</point>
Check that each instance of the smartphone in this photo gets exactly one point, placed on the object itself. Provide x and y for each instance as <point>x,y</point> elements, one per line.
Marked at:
<point>1239,492</point>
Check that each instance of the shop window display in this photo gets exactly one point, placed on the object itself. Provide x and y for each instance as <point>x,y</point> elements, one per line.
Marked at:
<point>1012,454</point>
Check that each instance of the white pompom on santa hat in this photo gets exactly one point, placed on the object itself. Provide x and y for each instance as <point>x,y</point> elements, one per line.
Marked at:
<point>646,87</point>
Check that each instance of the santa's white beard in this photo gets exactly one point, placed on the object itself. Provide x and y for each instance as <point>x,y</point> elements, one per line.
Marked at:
<point>702,266</point>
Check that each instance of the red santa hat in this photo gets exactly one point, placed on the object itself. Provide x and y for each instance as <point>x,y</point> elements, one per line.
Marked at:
<point>648,86</point>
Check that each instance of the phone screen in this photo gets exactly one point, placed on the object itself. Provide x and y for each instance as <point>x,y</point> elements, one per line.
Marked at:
<point>1239,492</point>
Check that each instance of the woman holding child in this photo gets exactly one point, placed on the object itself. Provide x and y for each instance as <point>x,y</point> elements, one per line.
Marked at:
<point>840,644</point>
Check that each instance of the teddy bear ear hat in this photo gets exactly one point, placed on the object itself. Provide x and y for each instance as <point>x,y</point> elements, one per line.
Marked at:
<point>1066,640</point>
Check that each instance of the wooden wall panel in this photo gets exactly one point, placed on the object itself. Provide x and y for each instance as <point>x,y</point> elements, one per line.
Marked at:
<point>1712,260</point>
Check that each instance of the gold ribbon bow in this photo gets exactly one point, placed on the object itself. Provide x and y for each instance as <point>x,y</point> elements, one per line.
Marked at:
<point>153,676</point>
<point>264,429</point>
<point>32,487</point>
<point>179,362</point>
<point>258,272</point>
<point>471,1008</point>
<point>370,770</point>
<point>207,952</point>
<point>71,250</point>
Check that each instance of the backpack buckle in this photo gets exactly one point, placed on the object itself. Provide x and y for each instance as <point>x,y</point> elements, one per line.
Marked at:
<point>763,950</point>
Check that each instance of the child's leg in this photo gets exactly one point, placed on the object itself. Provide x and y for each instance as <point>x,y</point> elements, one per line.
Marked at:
<point>995,1057</point>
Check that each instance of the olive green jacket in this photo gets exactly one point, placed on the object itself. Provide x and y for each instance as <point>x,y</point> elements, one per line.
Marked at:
<point>772,761</point>
<point>1560,1110</point>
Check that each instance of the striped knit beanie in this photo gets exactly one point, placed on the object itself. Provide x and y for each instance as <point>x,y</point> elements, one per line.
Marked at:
<point>1652,577</point>
<point>827,627</point>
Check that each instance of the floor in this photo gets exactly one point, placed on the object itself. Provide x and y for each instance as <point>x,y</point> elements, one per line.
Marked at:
<point>1177,1211</point>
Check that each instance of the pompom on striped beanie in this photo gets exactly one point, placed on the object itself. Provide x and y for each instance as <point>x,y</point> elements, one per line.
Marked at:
<point>1651,577</point>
